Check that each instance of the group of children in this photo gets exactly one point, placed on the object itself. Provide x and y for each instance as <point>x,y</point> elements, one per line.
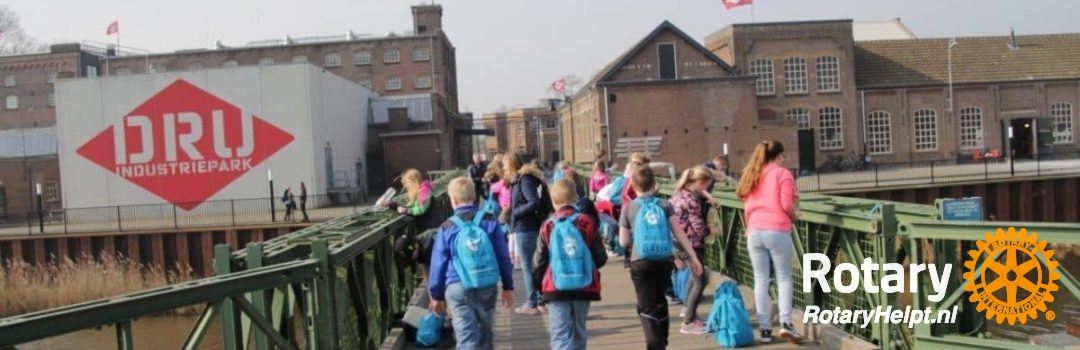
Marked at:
<point>473,250</point>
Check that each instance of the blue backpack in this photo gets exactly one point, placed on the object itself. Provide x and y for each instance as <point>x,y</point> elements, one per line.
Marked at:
<point>572,265</point>
<point>474,254</point>
<point>728,321</point>
<point>680,282</point>
<point>491,205</point>
<point>616,191</point>
<point>429,334</point>
<point>652,235</point>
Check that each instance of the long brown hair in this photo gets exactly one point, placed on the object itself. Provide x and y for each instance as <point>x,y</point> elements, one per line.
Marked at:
<point>494,171</point>
<point>513,160</point>
<point>693,175</point>
<point>765,152</point>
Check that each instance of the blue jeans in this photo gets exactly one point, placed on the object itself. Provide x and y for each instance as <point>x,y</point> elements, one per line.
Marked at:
<point>473,312</point>
<point>526,248</point>
<point>567,322</point>
<point>771,247</point>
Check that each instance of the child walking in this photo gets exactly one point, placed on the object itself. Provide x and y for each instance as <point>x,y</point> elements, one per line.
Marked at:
<point>467,262</point>
<point>568,259</point>
<point>646,228</point>
<point>687,201</point>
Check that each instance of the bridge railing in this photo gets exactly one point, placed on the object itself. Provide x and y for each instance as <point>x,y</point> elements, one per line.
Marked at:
<point>333,285</point>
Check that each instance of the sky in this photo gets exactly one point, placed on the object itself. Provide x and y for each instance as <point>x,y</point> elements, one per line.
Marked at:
<point>509,51</point>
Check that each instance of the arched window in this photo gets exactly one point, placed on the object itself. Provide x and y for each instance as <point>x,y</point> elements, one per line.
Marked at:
<point>762,68</point>
<point>925,130</point>
<point>800,116</point>
<point>879,132</point>
<point>830,128</point>
<point>828,74</point>
<point>1061,113</point>
<point>795,75</point>
<point>971,128</point>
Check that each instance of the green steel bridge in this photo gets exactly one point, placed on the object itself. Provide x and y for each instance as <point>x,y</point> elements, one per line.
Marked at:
<point>336,284</point>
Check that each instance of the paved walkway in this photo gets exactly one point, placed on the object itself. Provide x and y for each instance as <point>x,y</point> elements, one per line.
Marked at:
<point>613,322</point>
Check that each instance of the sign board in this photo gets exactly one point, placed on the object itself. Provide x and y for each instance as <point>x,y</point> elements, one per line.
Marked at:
<point>961,209</point>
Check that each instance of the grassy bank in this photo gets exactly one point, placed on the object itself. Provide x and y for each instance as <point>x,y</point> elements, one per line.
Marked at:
<point>26,288</point>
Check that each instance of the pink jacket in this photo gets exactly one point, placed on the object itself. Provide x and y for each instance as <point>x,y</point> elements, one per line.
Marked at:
<point>598,180</point>
<point>775,194</point>
<point>500,189</point>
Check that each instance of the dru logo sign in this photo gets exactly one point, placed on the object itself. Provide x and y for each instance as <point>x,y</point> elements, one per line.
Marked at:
<point>184,144</point>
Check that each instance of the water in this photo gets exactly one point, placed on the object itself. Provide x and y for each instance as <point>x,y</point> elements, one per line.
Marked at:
<point>162,332</point>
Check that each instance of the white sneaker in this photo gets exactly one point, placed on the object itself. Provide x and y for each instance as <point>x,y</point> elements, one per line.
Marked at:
<point>788,332</point>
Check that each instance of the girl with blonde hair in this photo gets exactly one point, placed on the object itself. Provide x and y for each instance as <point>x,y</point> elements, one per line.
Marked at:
<point>687,201</point>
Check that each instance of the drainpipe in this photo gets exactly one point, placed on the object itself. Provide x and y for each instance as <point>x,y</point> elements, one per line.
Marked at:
<point>862,121</point>
<point>607,124</point>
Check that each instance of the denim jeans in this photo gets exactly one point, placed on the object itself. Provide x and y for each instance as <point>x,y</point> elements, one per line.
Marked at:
<point>771,247</point>
<point>567,322</point>
<point>696,290</point>
<point>473,312</point>
<point>526,248</point>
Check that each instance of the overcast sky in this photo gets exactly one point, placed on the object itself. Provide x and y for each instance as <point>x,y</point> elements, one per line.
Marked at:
<point>509,51</point>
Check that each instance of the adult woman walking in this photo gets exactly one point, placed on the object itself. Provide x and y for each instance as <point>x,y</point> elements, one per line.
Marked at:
<point>771,202</point>
<point>526,215</point>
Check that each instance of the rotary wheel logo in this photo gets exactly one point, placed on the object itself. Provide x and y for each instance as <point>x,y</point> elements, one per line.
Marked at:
<point>1021,285</point>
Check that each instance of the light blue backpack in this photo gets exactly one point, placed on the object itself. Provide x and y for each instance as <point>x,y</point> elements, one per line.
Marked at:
<point>652,235</point>
<point>728,321</point>
<point>474,255</point>
<point>429,334</point>
<point>572,265</point>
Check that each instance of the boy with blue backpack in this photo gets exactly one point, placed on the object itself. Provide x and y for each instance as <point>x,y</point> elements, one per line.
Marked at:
<point>648,229</point>
<point>468,260</point>
<point>568,259</point>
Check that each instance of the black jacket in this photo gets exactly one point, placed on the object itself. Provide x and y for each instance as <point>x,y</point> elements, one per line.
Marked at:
<point>525,204</point>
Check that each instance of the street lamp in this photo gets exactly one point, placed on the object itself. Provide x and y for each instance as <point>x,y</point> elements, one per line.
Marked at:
<point>273,212</point>
<point>40,210</point>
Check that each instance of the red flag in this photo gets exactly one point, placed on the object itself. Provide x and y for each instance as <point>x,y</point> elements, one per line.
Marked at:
<point>730,4</point>
<point>113,28</point>
<point>559,85</point>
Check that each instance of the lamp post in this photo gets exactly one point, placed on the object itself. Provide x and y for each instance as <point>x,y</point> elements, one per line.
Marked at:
<point>273,212</point>
<point>40,210</point>
<point>1012,154</point>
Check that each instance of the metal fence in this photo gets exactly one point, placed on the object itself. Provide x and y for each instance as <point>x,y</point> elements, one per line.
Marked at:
<point>228,212</point>
<point>914,173</point>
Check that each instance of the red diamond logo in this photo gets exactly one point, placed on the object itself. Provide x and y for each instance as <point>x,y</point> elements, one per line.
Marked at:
<point>185,144</point>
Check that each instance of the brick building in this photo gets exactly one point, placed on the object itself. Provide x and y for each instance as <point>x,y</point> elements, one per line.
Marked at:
<point>528,131</point>
<point>27,134</point>
<point>415,70</point>
<point>670,97</point>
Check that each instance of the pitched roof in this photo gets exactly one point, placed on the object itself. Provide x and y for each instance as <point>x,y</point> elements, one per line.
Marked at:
<point>924,62</point>
<point>612,67</point>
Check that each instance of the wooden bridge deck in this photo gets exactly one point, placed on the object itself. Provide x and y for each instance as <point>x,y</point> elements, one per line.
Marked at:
<point>613,322</point>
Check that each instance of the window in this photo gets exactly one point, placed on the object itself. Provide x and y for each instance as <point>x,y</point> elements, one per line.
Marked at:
<point>421,54</point>
<point>971,128</point>
<point>795,76</point>
<point>299,59</point>
<point>800,116</point>
<point>196,65</point>
<point>925,130</point>
<point>50,192</point>
<point>831,135</point>
<point>666,56</point>
<point>1061,113</point>
<point>366,83</point>
<point>879,132</point>
<point>50,77</point>
<point>333,59</point>
<point>266,60</point>
<point>423,82</point>
<point>52,99</point>
<point>9,80</point>
<point>230,64</point>
<point>551,123</point>
<point>393,83</point>
<point>828,74</point>
<point>361,58</point>
<point>763,69</point>
<point>391,56</point>
<point>12,102</point>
